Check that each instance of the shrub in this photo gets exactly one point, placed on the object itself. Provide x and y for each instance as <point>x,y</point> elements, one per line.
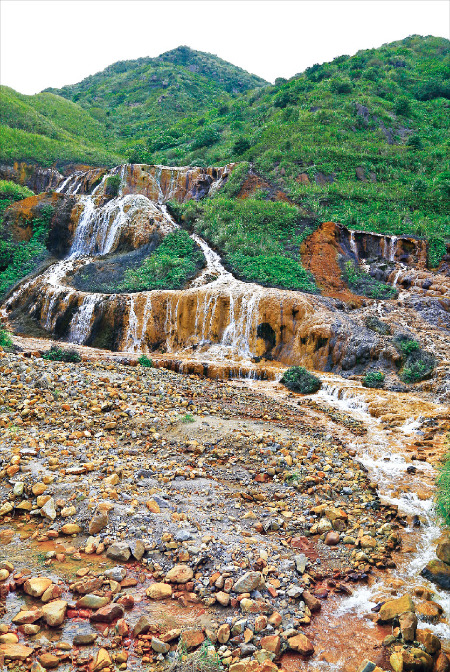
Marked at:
<point>402,107</point>
<point>298,379</point>
<point>5,338</point>
<point>112,185</point>
<point>341,86</point>
<point>418,368</point>
<point>57,354</point>
<point>174,262</point>
<point>436,250</point>
<point>241,146</point>
<point>145,361</point>
<point>406,345</point>
<point>415,142</point>
<point>443,492</point>
<point>363,283</point>
<point>374,379</point>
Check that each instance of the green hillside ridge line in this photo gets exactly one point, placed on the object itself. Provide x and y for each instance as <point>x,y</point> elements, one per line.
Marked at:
<point>362,140</point>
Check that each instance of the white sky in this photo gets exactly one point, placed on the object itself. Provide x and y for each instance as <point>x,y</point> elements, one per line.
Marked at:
<point>57,42</point>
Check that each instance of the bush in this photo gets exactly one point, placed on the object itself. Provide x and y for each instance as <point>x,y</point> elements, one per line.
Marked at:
<point>112,185</point>
<point>374,379</point>
<point>341,86</point>
<point>145,361</point>
<point>443,492</point>
<point>418,364</point>
<point>363,283</point>
<point>57,354</point>
<point>415,142</point>
<point>5,338</point>
<point>436,250</point>
<point>174,262</point>
<point>406,345</point>
<point>241,146</point>
<point>402,107</point>
<point>298,379</point>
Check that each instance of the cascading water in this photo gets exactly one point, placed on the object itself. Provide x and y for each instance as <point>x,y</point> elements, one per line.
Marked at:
<point>353,245</point>
<point>81,323</point>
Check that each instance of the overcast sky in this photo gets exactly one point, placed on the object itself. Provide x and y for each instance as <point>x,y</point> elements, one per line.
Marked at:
<point>57,42</point>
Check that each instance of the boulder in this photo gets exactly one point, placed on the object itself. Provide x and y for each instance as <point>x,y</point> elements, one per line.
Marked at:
<point>159,591</point>
<point>37,586</point>
<point>179,574</point>
<point>408,626</point>
<point>54,613</point>
<point>108,614</point>
<point>393,608</point>
<point>301,644</point>
<point>119,551</point>
<point>438,572</point>
<point>443,552</point>
<point>250,581</point>
<point>15,651</point>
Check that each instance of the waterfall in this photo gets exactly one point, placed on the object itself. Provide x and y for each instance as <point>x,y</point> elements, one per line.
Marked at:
<point>71,185</point>
<point>353,245</point>
<point>81,322</point>
<point>396,277</point>
<point>392,248</point>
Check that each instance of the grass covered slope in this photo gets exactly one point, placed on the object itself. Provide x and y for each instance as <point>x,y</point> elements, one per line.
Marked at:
<point>363,140</point>
<point>148,95</point>
<point>47,129</point>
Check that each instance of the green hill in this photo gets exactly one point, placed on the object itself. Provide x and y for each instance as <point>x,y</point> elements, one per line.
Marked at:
<point>363,140</point>
<point>48,129</point>
<point>132,97</point>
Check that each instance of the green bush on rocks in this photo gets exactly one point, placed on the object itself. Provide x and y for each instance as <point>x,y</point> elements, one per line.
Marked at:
<point>57,354</point>
<point>374,379</point>
<point>145,361</point>
<point>5,338</point>
<point>298,379</point>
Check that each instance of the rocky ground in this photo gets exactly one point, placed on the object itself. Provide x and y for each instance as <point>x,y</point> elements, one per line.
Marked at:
<point>148,516</point>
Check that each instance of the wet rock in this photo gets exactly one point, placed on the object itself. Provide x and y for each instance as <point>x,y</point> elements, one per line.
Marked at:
<point>438,572</point>
<point>159,591</point>
<point>301,644</point>
<point>30,616</point>
<point>180,574</point>
<point>90,601</point>
<point>250,581</point>
<point>85,639</point>
<point>116,573</point>
<point>442,663</point>
<point>119,551</point>
<point>54,613</point>
<point>367,666</point>
<point>142,626</point>
<point>37,586</point>
<point>48,510</point>
<point>443,552</point>
<point>71,528</point>
<point>49,661</point>
<point>223,633</point>
<point>408,625</point>
<point>311,602</point>
<point>393,608</point>
<point>159,646</point>
<point>102,660</point>
<point>15,651</point>
<point>430,642</point>
<point>271,643</point>
<point>108,613</point>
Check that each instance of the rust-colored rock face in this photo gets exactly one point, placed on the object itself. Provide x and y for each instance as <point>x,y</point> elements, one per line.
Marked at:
<point>320,256</point>
<point>34,177</point>
<point>218,325</point>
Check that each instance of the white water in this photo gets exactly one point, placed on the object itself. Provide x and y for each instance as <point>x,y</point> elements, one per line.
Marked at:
<point>81,323</point>
<point>353,245</point>
<point>381,452</point>
<point>392,248</point>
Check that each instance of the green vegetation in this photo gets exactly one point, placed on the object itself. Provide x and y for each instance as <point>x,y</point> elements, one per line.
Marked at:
<point>57,354</point>
<point>10,192</point>
<point>145,361</point>
<point>48,129</point>
<point>443,493</point>
<point>436,250</point>
<point>417,364</point>
<point>174,262</point>
<point>299,379</point>
<point>5,339</point>
<point>374,379</point>
<point>19,259</point>
<point>380,327</point>
<point>258,239</point>
<point>357,112</point>
<point>363,283</point>
<point>187,418</point>
<point>112,185</point>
